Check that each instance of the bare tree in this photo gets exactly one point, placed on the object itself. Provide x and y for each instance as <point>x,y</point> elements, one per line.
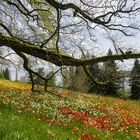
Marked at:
<point>44,29</point>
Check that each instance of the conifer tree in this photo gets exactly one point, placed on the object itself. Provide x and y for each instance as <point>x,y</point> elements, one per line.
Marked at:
<point>111,74</point>
<point>135,81</point>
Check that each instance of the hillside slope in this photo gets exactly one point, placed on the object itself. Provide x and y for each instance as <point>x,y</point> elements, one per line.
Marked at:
<point>69,116</point>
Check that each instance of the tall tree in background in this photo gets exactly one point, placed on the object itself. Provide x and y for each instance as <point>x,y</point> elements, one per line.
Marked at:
<point>135,81</point>
<point>97,74</point>
<point>80,80</point>
<point>6,73</point>
<point>1,73</point>
<point>37,79</point>
<point>76,79</point>
<point>52,80</point>
<point>69,77</point>
<point>111,74</point>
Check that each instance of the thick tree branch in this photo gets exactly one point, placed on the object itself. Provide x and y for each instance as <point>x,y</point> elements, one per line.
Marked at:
<point>53,57</point>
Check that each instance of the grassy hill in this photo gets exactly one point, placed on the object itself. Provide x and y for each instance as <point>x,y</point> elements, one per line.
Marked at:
<point>69,116</point>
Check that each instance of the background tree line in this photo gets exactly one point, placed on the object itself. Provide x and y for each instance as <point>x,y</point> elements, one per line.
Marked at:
<point>76,79</point>
<point>40,81</point>
<point>5,74</point>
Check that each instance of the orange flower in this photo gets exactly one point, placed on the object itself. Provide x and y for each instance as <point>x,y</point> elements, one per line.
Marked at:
<point>75,128</point>
<point>64,94</point>
<point>65,110</point>
<point>86,136</point>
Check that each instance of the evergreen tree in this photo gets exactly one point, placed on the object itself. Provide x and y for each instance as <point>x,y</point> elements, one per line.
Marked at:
<point>135,81</point>
<point>111,74</point>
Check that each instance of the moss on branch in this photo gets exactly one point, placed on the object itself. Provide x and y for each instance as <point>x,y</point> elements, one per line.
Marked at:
<point>58,59</point>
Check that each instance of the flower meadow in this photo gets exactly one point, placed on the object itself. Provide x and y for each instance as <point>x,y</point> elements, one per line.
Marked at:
<point>69,116</point>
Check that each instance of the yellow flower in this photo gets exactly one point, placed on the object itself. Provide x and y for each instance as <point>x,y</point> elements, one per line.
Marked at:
<point>19,111</point>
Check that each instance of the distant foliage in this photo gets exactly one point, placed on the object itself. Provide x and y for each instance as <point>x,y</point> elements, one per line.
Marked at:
<point>79,81</point>
<point>108,72</point>
<point>75,78</point>
<point>37,79</point>
<point>96,71</point>
<point>40,81</point>
<point>68,80</point>
<point>52,79</point>
<point>1,75</point>
<point>112,75</point>
<point>6,73</point>
<point>135,81</point>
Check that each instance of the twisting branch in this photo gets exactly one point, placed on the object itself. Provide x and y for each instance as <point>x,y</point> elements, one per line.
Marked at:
<point>24,12</point>
<point>48,39</point>
<point>31,72</point>
<point>50,77</point>
<point>93,79</point>
<point>87,72</point>
<point>25,65</point>
<point>97,20</point>
<point>6,29</point>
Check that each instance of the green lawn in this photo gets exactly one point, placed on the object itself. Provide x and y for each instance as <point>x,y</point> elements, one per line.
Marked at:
<point>26,126</point>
